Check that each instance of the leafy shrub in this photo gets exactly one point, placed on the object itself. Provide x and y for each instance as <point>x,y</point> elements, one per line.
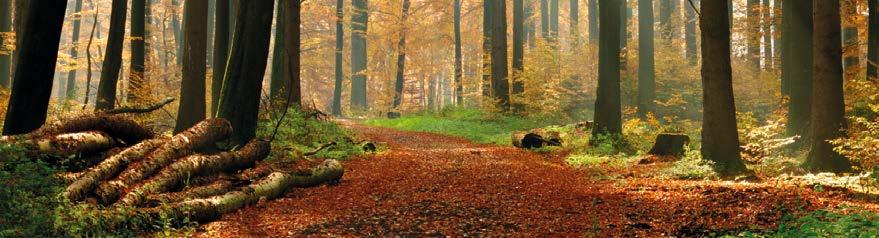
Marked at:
<point>862,144</point>
<point>28,195</point>
<point>761,141</point>
<point>692,166</point>
<point>823,223</point>
<point>298,134</point>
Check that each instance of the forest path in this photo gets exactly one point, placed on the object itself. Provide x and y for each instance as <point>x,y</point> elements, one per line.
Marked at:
<point>433,185</point>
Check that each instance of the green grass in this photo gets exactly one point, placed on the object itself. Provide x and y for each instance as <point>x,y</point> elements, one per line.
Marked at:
<point>824,223</point>
<point>471,124</point>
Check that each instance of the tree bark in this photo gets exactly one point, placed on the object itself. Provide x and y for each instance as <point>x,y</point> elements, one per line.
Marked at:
<point>242,84</point>
<point>38,52</point>
<point>690,32</point>
<point>66,145</point>
<point>70,91</point>
<point>221,51</point>
<point>500,84</point>
<point>359,77</point>
<point>518,52</point>
<point>192,89</point>
<point>851,53</point>
<point>544,20</point>
<point>553,21</point>
<point>118,127</point>
<point>277,85</point>
<point>720,141</point>
<point>459,65</point>
<point>174,175</point>
<point>401,58</point>
<point>112,59</point>
<point>646,68</point>
<point>6,54</point>
<point>768,59</point>
<point>593,20</point>
<point>86,183</point>
<point>872,41</point>
<point>201,135</point>
<point>828,107</point>
<point>796,67</point>
<point>753,34</point>
<point>138,91</point>
<point>178,33</point>
<point>292,51</point>
<point>340,44</point>
<point>608,114</point>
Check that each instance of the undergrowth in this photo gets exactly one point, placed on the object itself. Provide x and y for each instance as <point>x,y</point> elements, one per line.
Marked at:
<point>298,134</point>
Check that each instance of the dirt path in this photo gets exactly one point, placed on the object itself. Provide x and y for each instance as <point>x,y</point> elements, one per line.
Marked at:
<point>434,185</point>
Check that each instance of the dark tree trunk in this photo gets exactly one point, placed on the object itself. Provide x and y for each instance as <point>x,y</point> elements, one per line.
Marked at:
<point>340,43</point>
<point>767,35</point>
<point>608,114</point>
<point>575,23</point>
<point>731,10</point>
<point>690,32</point>
<point>872,41</point>
<point>593,20</point>
<point>796,66</point>
<point>530,29</point>
<point>292,45</point>
<point>6,57</point>
<point>112,58</point>
<point>401,57</point>
<point>624,36</point>
<point>544,19</point>
<point>646,68</point>
<point>459,67</point>
<point>19,23</point>
<point>242,84</point>
<point>137,85</point>
<point>753,34</point>
<point>212,11</point>
<point>277,85</point>
<point>828,107</point>
<point>38,53</point>
<point>359,77</point>
<point>221,51</point>
<point>720,140</point>
<point>70,91</point>
<point>850,37</point>
<point>500,85</point>
<point>518,51</point>
<point>195,44</point>
<point>178,33</point>
<point>553,21</point>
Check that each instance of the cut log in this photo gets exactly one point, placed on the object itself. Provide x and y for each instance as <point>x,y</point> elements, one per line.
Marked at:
<point>368,147</point>
<point>535,139</point>
<point>117,126</point>
<point>174,175</point>
<point>216,188</point>
<point>203,134</point>
<point>270,187</point>
<point>66,145</point>
<point>77,190</point>
<point>670,145</point>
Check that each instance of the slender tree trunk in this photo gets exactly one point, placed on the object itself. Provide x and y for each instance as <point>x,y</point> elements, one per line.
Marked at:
<point>776,36</point>
<point>38,52</point>
<point>292,45</point>
<point>459,67</point>
<point>192,87</point>
<point>850,38</point>
<point>753,34</point>
<point>593,20</point>
<point>731,11</point>
<point>575,23</point>
<point>872,41</point>
<point>828,106</point>
<point>359,28</point>
<point>767,35</point>
<point>553,20</point>
<point>720,141</point>
<point>624,35</point>
<point>113,59</point>
<point>6,54</point>
<point>178,33</point>
<point>500,84</point>
<point>71,75</point>
<point>137,83</point>
<point>242,84</point>
<point>690,32</point>
<point>646,68</point>
<point>401,57</point>
<point>529,28</point>
<point>518,52</point>
<point>796,66</point>
<point>544,19</point>
<point>212,11</point>
<point>486,45</point>
<point>608,108</point>
<point>221,51</point>
<point>277,85</point>
<point>340,44</point>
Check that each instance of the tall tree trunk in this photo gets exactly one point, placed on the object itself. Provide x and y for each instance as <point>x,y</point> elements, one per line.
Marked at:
<point>178,33</point>
<point>212,11</point>
<point>401,57</point>
<point>519,51</point>
<point>850,37</point>
<point>6,54</point>
<point>646,68</point>
<point>690,32</point>
<point>486,44</point>
<point>665,13</point>
<point>38,53</point>
<point>872,41</point>
<point>192,87</point>
<point>624,35</point>
<point>71,75</point>
<point>359,77</point>
<point>544,19</point>
<point>340,43</point>
<point>500,85</point>
<point>553,20</point>
<point>19,23</point>
<point>112,59</point>
<point>575,23</point>
<point>796,66</point>
<point>720,140</point>
<point>593,20</point>
<point>767,35</point>
<point>608,114</point>
<point>292,45</point>
<point>753,34</point>
<point>828,106</point>
<point>242,84</point>
<point>731,11</point>
<point>277,85</point>
<point>221,51</point>
<point>777,26</point>
<point>137,83</point>
<point>459,67</point>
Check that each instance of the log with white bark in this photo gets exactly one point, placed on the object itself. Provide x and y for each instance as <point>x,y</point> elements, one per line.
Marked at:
<point>203,134</point>
<point>117,126</point>
<point>109,167</point>
<point>66,145</point>
<point>174,175</point>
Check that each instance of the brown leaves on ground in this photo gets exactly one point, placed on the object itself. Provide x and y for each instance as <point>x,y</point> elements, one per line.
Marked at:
<point>433,185</point>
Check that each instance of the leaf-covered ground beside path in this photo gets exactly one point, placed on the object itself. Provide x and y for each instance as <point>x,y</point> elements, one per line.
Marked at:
<point>433,185</point>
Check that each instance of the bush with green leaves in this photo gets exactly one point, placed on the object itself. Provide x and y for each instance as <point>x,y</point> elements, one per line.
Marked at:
<point>298,134</point>
<point>693,166</point>
<point>28,195</point>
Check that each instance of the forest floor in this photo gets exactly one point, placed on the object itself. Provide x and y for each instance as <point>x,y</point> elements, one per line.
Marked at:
<point>434,185</point>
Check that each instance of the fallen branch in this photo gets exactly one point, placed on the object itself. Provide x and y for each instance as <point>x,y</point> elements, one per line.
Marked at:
<point>136,110</point>
<point>66,145</point>
<point>319,149</point>
<point>216,188</point>
<point>202,135</point>
<point>117,126</point>
<point>89,180</point>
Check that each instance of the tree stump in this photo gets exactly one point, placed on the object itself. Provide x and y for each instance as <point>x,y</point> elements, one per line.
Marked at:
<point>536,139</point>
<point>670,145</point>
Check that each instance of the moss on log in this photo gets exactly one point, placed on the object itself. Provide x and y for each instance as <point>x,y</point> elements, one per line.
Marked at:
<point>174,175</point>
<point>202,135</point>
<point>106,169</point>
